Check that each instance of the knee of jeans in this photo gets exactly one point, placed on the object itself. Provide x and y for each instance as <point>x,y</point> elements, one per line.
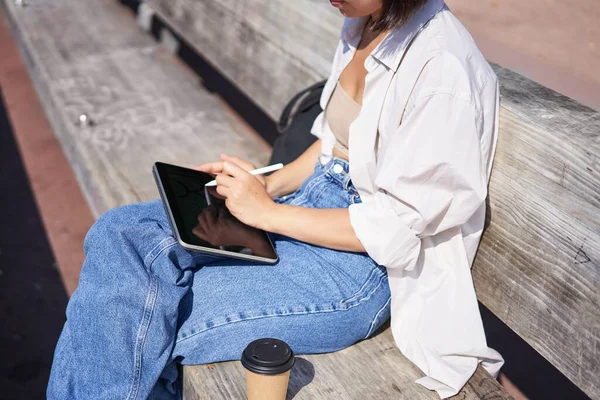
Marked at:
<point>103,225</point>
<point>116,219</point>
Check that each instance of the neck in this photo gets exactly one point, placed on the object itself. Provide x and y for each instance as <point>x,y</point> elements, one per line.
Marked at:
<point>375,15</point>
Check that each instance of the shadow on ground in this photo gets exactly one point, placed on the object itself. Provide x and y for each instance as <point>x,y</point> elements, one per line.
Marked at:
<point>32,297</point>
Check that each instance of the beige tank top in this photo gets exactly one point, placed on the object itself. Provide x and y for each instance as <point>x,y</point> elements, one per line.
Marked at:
<point>340,112</point>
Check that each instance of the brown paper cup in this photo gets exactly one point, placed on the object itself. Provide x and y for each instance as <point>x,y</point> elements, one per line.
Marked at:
<point>267,387</point>
<point>268,363</point>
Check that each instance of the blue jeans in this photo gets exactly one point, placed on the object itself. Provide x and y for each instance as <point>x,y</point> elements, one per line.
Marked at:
<point>144,303</point>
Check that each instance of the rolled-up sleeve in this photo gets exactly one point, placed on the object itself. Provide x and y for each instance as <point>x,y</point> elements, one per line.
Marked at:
<point>430,177</point>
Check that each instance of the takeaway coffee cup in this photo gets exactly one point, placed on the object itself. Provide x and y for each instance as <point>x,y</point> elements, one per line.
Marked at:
<point>268,363</point>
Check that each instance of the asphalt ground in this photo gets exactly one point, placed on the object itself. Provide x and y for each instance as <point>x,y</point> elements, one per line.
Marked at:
<point>32,296</point>
<point>556,43</point>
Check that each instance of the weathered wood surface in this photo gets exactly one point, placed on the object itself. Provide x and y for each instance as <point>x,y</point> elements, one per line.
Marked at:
<point>90,57</point>
<point>538,268</point>
<point>260,44</point>
<point>369,370</point>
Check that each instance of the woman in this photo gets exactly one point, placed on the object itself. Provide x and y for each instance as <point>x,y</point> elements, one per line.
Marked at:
<point>381,216</point>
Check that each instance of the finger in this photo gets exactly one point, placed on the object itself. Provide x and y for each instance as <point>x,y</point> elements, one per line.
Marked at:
<point>231,168</point>
<point>248,166</point>
<point>224,180</point>
<point>202,218</point>
<point>196,232</point>
<point>200,231</point>
<point>211,168</point>
<point>223,191</point>
<point>199,227</point>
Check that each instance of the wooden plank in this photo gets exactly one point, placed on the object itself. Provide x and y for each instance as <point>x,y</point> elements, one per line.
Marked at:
<point>251,42</point>
<point>371,369</point>
<point>538,266</point>
<point>145,104</point>
<point>546,108</point>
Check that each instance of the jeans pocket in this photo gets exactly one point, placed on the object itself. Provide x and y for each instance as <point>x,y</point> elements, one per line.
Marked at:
<point>374,281</point>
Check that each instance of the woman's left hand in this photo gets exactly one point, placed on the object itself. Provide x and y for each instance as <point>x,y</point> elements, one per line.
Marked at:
<point>246,197</point>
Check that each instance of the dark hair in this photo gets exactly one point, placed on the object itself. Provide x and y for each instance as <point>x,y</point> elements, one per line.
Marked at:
<point>395,12</point>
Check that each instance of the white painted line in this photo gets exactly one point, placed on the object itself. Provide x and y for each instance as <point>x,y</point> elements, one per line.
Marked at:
<point>144,17</point>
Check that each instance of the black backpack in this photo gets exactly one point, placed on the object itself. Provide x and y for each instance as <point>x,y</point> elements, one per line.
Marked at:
<point>294,125</point>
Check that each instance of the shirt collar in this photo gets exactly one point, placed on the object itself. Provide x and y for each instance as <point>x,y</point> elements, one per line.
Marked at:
<point>391,49</point>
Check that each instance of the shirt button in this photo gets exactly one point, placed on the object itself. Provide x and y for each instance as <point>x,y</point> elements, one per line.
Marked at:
<point>337,168</point>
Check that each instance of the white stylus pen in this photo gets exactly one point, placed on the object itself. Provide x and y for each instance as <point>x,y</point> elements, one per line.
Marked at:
<point>258,171</point>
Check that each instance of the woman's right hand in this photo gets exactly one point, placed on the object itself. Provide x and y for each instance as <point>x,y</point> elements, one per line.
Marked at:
<point>216,167</point>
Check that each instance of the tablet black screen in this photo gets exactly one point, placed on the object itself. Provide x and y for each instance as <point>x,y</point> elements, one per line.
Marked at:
<point>201,217</point>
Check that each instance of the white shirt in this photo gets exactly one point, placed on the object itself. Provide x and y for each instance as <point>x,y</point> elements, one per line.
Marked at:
<point>423,184</point>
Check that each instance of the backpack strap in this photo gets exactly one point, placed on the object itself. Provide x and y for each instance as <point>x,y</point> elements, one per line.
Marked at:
<point>309,97</point>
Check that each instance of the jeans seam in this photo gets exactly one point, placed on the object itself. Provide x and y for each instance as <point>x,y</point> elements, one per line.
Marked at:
<point>141,337</point>
<point>369,294</point>
<point>360,291</point>
<point>371,328</point>
<point>317,195</point>
<point>306,192</point>
<point>162,246</point>
<point>312,183</point>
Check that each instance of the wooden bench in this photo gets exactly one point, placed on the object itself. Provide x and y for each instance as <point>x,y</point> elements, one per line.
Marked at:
<point>538,266</point>
<point>143,103</point>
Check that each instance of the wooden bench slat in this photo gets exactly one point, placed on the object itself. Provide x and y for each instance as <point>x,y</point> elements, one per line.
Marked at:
<point>260,43</point>
<point>371,369</point>
<point>538,266</point>
<point>90,57</point>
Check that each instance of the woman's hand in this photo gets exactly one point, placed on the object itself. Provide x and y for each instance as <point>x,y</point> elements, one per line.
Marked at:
<point>216,167</point>
<point>246,197</point>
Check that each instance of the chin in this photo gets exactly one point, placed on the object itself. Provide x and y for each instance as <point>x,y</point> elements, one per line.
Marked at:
<point>343,9</point>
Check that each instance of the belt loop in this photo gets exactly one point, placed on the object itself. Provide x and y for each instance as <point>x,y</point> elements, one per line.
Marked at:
<point>347,181</point>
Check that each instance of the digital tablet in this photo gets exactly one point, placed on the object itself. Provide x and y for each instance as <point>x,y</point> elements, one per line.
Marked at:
<point>200,220</point>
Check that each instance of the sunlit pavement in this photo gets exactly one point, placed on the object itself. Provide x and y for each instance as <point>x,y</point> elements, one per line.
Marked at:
<point>555,43</point>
